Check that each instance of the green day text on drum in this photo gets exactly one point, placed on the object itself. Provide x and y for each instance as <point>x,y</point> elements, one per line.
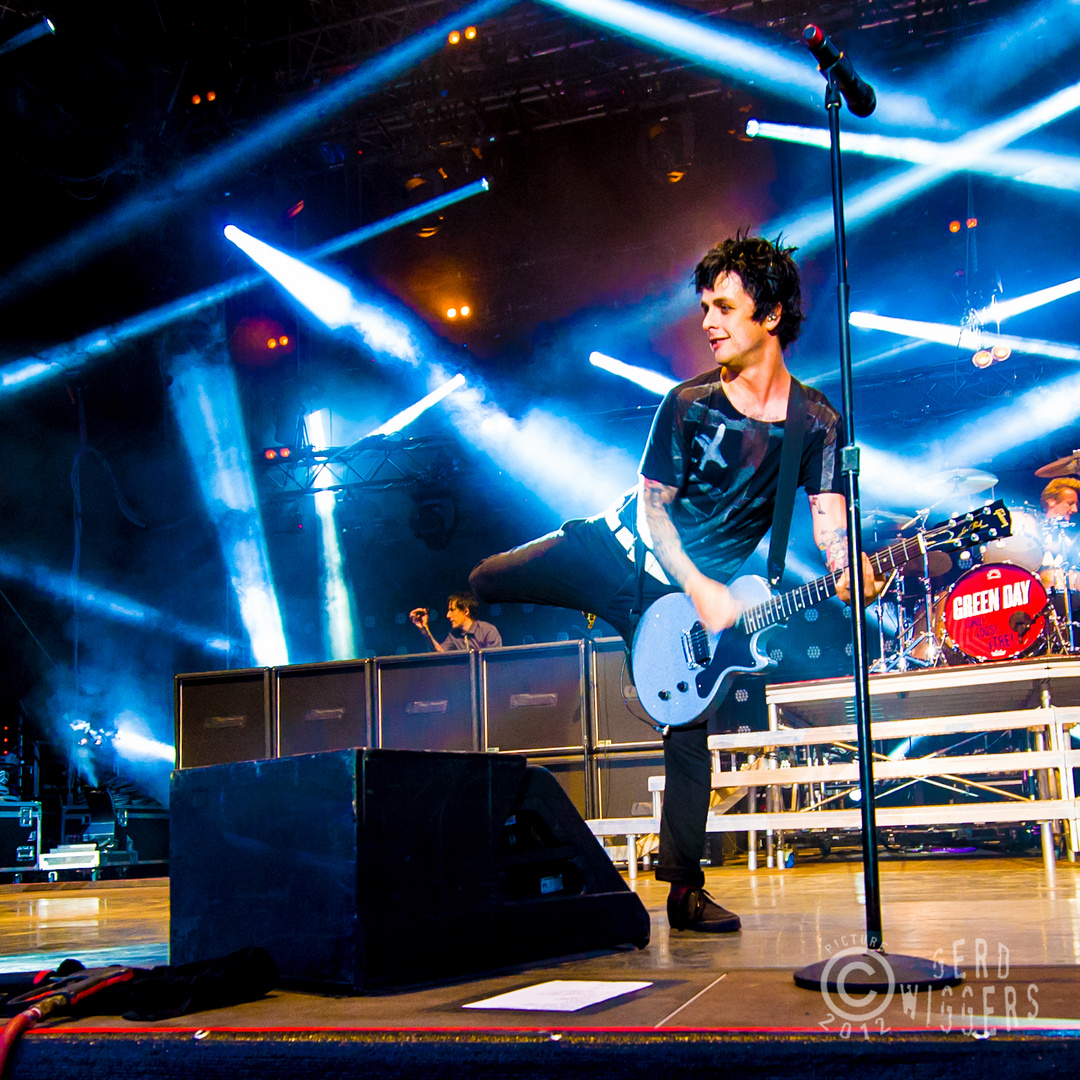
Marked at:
<point>995,612</point>
<point>1027,544</point>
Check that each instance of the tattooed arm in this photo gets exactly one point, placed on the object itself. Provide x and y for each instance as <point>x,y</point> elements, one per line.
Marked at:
<point>715,605</point>
<point>828,512</point>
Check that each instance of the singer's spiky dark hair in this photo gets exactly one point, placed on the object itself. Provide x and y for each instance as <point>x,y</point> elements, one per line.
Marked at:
<point>768,274</point>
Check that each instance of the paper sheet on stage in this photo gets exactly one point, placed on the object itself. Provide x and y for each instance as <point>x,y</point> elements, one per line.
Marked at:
<point>559,995</point>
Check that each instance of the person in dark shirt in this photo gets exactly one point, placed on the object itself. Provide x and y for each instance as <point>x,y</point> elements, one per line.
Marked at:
<point>704,500</point>
<point>466,632</point>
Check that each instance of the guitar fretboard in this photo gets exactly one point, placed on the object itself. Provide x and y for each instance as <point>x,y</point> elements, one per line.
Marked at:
<point>781,608</point>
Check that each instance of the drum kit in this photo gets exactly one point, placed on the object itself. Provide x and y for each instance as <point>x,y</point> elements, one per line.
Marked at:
<point>1013,598</point>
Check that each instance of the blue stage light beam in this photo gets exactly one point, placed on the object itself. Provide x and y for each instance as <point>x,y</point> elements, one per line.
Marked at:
<point>1000,310</point>
<point>42,28</point>
<point>238,153</point>
<point>206,403</point>
<point>133,742</point>
<point>1024,166</point>
<point>1030,416</point>
<point>767,67</point>
<point>338,619</point>
<point>961,337</point>
<point>569,470</point>
<point>63,360</point>
<point>649,380</point>
<point>572,472</point>
<point>986,66</point>
<point>106,603</point>
<point>407,416</point>
<point>814,226</point>
<point>332,302</point>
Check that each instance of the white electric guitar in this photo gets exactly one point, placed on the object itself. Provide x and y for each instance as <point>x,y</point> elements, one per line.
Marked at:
<point>680,668</point>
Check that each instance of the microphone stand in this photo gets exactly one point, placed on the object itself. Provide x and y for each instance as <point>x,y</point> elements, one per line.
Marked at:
<point>871,970</point>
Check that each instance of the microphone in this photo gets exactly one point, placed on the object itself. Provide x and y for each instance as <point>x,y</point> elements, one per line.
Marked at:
<point>859,95</point>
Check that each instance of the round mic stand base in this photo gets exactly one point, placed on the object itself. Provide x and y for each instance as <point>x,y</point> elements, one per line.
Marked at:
<point>863,971</point>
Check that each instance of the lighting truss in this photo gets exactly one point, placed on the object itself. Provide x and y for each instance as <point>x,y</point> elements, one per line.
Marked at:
<point>375,463</point>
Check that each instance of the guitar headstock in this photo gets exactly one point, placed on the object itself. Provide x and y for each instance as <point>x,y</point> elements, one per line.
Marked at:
<point>990,522</point>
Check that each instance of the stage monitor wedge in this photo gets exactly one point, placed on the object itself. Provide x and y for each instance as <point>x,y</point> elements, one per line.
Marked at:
<point>368,869</point>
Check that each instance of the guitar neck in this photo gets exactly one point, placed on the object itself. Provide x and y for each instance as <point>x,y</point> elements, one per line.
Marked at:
<point>781,608</point>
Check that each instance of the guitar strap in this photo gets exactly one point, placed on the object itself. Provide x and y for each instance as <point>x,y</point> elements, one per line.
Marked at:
<point>790,456</point>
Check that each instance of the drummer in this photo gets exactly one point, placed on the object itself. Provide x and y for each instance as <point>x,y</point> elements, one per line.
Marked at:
<point>1059,498</point>
<point>1059,502</point>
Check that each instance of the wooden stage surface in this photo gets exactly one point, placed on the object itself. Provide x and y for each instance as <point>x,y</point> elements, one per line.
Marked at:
<point>1016,938</point>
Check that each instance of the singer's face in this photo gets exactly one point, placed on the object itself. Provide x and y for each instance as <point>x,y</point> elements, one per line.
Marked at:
<point>737,340</point>
<point>458,616</point>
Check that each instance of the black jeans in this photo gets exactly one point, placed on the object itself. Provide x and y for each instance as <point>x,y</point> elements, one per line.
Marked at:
<point>582,567</point>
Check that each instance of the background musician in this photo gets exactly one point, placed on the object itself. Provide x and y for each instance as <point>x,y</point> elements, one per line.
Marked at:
<point>466,631</point>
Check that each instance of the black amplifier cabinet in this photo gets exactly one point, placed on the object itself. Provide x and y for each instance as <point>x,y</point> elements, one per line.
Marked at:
<point>572,775</point>
<point>426,702</point>
<point>222,716</point>
<point>20,836</point>
<point>621,782</point>
<point>532,698</point>
<point>618,720</point>
<point>322,706</point>
<point>368,869</point>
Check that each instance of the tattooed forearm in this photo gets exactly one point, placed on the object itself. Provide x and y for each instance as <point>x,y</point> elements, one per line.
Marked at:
<point>829,516</point>
<point>666,545</point>
<point>833,545</point>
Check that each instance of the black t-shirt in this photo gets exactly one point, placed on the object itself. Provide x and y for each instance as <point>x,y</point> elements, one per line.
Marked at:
<point>726,468</point>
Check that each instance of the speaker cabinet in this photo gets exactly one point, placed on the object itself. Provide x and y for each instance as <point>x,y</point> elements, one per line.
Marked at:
<point>572,775</point>
<point>367,869</point>
<point>621,782</point>
<point>533,697</point>
<point>617,718</point>
<point>222,716</point>
<point>426,702</point>
<point>322,706</point>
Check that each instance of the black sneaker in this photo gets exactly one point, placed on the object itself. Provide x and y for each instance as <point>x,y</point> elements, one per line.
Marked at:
<point>695,909</point>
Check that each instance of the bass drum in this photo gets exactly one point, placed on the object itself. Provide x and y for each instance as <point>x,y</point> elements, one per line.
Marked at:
<point>996,611</point>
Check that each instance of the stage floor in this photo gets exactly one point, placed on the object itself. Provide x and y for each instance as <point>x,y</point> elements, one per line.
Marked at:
<point>1016,938</point>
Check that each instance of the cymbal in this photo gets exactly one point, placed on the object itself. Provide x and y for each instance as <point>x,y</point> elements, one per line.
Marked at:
<point>884,517</point>
<point>1064,466</point>
<point>940,562</point>
<point>962,481</point>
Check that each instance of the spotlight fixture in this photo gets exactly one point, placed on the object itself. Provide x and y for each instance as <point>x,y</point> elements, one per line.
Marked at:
<point>465,311</point>
<point>454,37</point>
<point>954,226</point>
<point>196,99</point>
<point>274,453</point>
<point>451,313</point>
<point>972,222</point>
<point>985,357</point>
<point>470,33</point>
<point>41,28</point>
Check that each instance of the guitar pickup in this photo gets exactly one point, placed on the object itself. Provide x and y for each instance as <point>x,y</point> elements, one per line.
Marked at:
<point>696,646</point>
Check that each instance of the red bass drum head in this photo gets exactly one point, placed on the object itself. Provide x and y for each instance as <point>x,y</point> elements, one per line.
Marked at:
<point>995,612</point>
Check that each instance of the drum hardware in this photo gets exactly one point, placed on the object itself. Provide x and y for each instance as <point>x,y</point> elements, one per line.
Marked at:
<point>1066,466</point>
<point>915,647</point>
<point>1060,576</point>
<point>1022,600</point>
